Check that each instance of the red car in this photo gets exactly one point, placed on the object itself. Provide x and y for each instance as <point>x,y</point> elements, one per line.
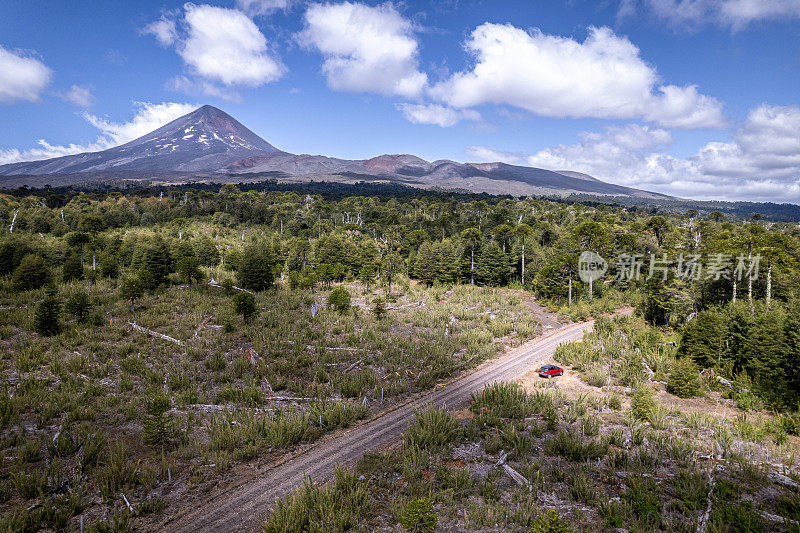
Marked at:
<point>549,371</point>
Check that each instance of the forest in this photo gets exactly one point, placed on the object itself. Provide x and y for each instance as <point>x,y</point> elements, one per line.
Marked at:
<point>165,313</point>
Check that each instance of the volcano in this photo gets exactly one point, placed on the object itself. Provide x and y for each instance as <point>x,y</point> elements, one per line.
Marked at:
<point>210,145</point>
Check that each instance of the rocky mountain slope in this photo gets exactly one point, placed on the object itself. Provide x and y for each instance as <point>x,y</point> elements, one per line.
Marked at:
<point>210,145</point>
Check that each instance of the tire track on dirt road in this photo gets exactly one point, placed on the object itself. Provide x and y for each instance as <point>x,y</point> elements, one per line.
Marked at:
<point>244,506</point>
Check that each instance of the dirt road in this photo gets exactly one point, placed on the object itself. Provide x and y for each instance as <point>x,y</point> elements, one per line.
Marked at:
<point>244,506</point>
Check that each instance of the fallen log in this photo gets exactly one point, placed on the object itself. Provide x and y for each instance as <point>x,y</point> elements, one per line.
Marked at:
<point>152,333</point>
<point>516,476</point>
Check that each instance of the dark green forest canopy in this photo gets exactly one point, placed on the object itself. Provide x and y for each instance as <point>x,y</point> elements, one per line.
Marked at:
<point>59,196</point>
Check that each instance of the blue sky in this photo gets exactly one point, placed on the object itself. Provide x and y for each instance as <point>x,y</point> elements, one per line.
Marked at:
<point>696,98</point>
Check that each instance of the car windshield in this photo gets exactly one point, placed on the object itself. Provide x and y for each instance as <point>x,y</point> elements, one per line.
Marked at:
<point>547,367</point>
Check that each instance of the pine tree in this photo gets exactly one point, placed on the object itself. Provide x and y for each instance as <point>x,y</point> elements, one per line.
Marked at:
<point>244,304</point>
<point>684,378</point>
<point>71,269</point>
<point>78,305</point>
<point>426,264</point>
<point>158,425</point>
<point>45,319</point>
<point>189,269</point>
<point>491,268</point>
<point>131,289</point>
<point>257,266</point>
<point>703,339</point>
<point>339,299</point>
<point>32,273</point>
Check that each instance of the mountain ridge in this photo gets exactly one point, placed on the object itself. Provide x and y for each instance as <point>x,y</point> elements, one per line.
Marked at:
<point>210,145</point>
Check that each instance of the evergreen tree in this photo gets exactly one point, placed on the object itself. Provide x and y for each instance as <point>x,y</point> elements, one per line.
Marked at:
<point>45,320</point>
<point>339,299</point>
<point>703,339</point>
<point>426,263</point>
<point>158,425</point>
<point>257,266</point>
<point>71,269</point>
<point>206,251</point>
<point>491,268</point>
<point>471,237</point>
<point>79,306</point>
<point>657,303</point>
<point>131,289</point>
<point>109,266</point>
<point>765,353</point>
<point>32,273</point>
<point>189,269</point>
<point>244,304</point>
<point>684,378</point>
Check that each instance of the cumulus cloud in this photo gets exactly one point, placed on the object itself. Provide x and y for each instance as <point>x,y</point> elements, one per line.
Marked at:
<point>80,96</point>
<point>163,29</point>
<point>366,49</point>
<point>760,163</point>
<point>147,118</point>
<point>225,45</point>
<point>436,114</point>
<point>222,48</point>
<point>601,77</point>
<point>736,14</point>
<point>255,8</point>
<point>22,77</point>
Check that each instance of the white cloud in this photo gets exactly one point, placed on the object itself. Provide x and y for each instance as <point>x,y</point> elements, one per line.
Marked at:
<point>366,49</point>
<point>736,14</point>
<point>21,77</point>
<point>147,118</point>
<point>224,45</point>
<point>490,155</point>
<point>222,48</point>
<point>436,114</point>
<point>549,75</point>
<point>163,29</point>
<point>80,96</point>
<point>760,163</point>
<point>255,8</point>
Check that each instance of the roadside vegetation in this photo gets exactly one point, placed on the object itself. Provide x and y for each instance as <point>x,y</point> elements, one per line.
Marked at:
<point>547,456</point>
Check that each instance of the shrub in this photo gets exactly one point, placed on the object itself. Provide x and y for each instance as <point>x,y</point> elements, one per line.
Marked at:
<point>432,428</point>
<point>244,304</point>
<point>572,446</point>
<point>380,308</point>
<point>45,319</point>
<point>684,379</point>
<point>501,400</point>
<point>339,299</point>
<point>643,497</point>
<point>311,508</point>
<point>418,515</point>
<point>333,415</point>
<point>551,522</point>
<point>643,402</point>
<point>790,423</point>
